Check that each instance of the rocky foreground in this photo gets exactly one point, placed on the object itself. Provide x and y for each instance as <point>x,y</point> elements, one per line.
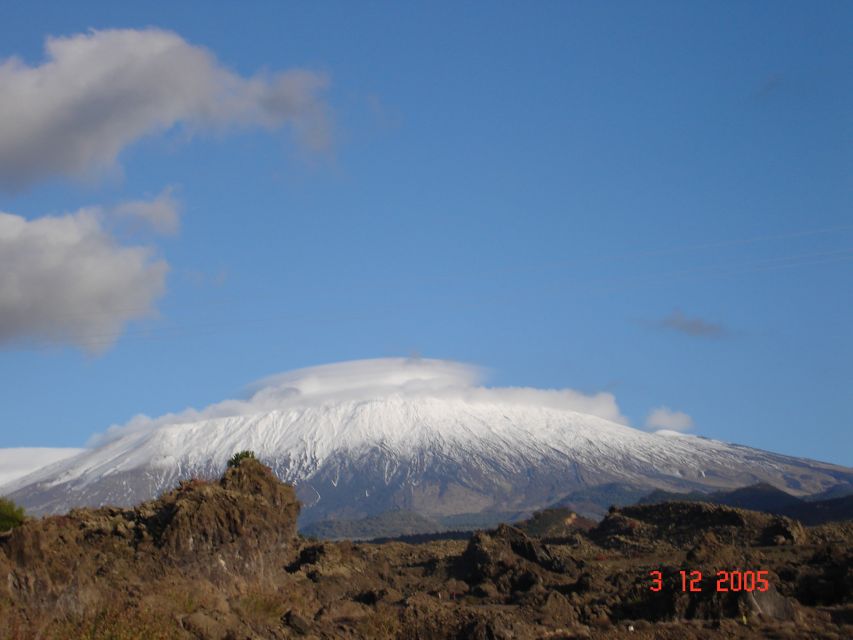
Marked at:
<point>224,561</point>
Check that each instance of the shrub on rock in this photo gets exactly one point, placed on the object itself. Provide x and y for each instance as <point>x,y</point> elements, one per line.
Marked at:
<point>11,515</point>
<point>238,457</point>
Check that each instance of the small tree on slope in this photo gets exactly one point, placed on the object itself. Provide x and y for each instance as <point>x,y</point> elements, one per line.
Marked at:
<point>11,515</point>
<point>238,457</point>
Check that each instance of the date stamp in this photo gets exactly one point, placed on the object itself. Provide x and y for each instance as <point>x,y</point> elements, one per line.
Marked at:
<point>726,581</point>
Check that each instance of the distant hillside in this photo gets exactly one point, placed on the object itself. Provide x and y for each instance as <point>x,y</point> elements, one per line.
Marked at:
<point>758,497</point>
<point>659,495</point>
<point>554,523</point>
<point>385,525</point>
<point>593,502</point>
<point>766,498</point>
<point>423,538</point>
<point>822,511</point>
<point>837,491</point>
<point>407,526</point>
<point>482,520</point>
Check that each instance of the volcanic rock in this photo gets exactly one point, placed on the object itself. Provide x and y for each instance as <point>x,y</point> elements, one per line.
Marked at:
<point>221,560</point>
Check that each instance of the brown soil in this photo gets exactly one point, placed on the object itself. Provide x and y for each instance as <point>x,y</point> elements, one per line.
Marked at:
<point>223,561</point>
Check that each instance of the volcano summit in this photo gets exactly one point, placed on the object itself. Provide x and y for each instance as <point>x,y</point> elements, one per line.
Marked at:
<point>366,437</point>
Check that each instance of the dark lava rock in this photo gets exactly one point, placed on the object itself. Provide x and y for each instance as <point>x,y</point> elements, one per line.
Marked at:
<point>482,630</point>
<point>782,530</point>
<point>506,549</point>
<point>296,622</point>
<point>308,556</point>
<point>203,626</point>
<point>828,577</point>
<point>249,506</point>
<point>687,523</point>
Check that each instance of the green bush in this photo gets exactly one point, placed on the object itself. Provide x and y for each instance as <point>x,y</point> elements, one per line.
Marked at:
<point>238,457</point>
<point>11,515</point>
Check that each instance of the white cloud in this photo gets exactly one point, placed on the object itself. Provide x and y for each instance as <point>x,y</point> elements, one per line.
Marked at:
<point>666,419</point>
<point>96,93</point>
<point>18,462</point>
<point>367,379</point>
<point>162,213</point>
<point>65,279</point>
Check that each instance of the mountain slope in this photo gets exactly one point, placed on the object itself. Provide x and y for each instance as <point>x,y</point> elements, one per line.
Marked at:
<point>594,501</point>
<point>411,435</point>
<point>389,523</point>
<point>17,462</point>
<point>766,498</point>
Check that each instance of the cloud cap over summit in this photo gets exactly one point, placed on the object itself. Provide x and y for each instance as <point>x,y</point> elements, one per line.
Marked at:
<point>378,378</point>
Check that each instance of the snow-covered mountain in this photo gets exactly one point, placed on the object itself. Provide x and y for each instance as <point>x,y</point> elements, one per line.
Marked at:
<point>364,437</point>
<point>17,462</point>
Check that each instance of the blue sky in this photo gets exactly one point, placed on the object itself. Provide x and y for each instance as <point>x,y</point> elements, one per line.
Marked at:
<point>652,200</point>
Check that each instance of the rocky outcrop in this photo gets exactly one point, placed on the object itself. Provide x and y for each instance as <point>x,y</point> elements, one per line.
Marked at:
<point>230,531</point>
<point>506,552</point>
<point>686,523</point>
<point>247,513</point>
